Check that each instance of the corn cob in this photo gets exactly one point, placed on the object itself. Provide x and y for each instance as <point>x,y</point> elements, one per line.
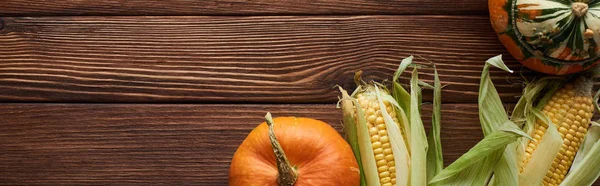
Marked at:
<point>381,143</point>
<point>386,131</point>
<point>570,109</point>
<point>380,140</point>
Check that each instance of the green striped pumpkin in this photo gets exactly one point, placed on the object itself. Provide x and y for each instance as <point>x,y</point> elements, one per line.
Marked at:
<point>549,36</point>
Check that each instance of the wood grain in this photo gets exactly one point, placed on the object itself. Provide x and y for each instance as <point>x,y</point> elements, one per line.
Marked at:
<point>82,144</point>
<point>238,7</point>
<point>273,59</point>
<point>160,143</point>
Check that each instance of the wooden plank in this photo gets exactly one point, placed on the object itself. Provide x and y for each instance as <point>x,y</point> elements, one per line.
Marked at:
<point>238,7</point>
<point>159,144</point>
<point>274,59</point>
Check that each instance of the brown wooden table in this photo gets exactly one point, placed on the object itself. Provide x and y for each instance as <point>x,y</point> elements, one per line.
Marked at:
<point>162,92</point>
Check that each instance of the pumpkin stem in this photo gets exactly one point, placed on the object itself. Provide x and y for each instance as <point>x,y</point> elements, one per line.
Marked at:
<point>579,8</point>
<point>287,174</point>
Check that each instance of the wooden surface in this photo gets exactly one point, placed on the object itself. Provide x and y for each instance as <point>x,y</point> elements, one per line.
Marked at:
<point>156,143</point>
<point>238,7</point>
<point>273,59</point>
<point>162,92</point>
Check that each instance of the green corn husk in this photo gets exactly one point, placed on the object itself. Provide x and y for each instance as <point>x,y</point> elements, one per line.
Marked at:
<point>401,95</point>
<point>412,156</point>
<point>350,130</point>
<point>505,171</point>
<point>533,173</point>
<point>492,161</point>
<point>418,139</point>
<point>541,159</point>
<point>399,147</point>
<point>495,159</point>
<point>535,96</point>
<point>435,160</point>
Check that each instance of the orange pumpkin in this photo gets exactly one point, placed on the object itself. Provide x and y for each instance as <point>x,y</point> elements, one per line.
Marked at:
<point>549,36</point>
<point>308,151</point>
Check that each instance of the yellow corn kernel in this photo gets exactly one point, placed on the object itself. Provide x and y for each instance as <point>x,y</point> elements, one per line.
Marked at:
<point>380,139</point>
<point>569,109</point>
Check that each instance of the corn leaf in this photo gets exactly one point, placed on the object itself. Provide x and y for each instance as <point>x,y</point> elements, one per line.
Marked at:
<point>366,149</point>
<point>498,63</point>
<point>358,89</point>
<point>495,141</point>
<point>401,115</point>
<point>584,170</point>
<point>535,92</point>
<point>435,160</point>
<point>509,126</point>
<point>402,96</point>
<point>403,65</point>
<point>350,130</point>
<point>494,154</point>
<point>401,155</point>
<point>403,99</point>
<point>425,85</point>
<point>531,93</point>
<point>418,140</point>
<point>491,110</point>
<point>492,115</point>
<point>475,169</point>
<point>391,100</point>
<point>541,160</point>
